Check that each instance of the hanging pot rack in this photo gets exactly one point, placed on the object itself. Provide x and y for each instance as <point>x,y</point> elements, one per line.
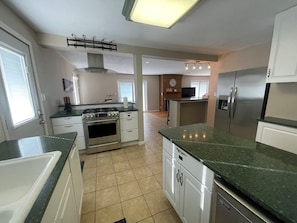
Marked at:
<point>91,43</point>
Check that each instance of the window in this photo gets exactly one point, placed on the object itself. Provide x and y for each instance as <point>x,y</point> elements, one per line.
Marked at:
<point>16,84</point>
<point>126,89</point>
<point>201,88</point>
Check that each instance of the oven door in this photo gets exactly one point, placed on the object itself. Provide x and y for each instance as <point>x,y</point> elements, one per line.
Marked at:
<point>99,132</point>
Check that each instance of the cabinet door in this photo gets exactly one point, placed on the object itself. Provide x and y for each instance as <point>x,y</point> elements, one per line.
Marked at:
<point>67,211</point>
<point>76,178</point>
<point>282,62</point>
<point>191,198</point>
<point>170,177</point>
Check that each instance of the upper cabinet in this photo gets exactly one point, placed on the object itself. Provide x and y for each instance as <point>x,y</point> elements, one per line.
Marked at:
<point>282,65</point>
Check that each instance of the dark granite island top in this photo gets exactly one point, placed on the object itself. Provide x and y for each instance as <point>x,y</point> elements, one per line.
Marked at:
<point>36,146</point>
<point>266,175</point>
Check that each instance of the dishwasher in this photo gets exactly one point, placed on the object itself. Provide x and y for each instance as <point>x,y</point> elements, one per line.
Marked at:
<point>230,207</point>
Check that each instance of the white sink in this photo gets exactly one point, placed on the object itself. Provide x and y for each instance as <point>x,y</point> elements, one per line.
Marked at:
<point>21,182</point>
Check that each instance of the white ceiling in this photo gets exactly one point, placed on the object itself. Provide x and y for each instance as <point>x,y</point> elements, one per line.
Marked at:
<point>212,27</point>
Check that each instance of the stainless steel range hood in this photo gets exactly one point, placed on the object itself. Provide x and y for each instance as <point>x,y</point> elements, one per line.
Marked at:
<point>95,64</point>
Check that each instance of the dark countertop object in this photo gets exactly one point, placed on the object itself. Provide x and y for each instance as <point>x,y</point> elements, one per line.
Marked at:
<point>266,175</point>
<point>36,146</point>
<point>280,121</point>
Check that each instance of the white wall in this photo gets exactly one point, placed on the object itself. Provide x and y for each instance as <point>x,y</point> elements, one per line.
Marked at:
<point>153,92</point>
<point>96,87</point>
<point>282,101</point>
<point>252,57</point>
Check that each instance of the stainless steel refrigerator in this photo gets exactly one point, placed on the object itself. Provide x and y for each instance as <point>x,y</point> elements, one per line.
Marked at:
<point>240,96</point>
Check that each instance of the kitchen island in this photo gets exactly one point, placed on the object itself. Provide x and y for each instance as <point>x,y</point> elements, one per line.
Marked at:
<point>186,111</point>
<point>39,145</point>
<point>264,174</point>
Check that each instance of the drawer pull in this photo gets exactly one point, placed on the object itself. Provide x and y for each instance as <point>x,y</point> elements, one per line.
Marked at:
<point>181,179</point>
<point>68,126</point>
<point>177,176</point>
<point>180,157</point>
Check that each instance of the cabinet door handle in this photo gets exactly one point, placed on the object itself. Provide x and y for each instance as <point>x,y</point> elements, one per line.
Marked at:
<point>68,126</point>
<point>177,176</point>
<point>181,179</point>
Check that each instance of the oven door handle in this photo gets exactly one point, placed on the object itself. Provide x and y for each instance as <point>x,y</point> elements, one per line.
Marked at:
<point>100,121</point>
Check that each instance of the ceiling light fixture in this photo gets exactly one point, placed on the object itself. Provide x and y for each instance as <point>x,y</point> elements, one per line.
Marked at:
<point>162,13</point>
<point>200,67</point>
<point>187,66</point>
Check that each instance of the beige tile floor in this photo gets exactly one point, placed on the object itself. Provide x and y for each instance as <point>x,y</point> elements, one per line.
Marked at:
<point>127,183</point>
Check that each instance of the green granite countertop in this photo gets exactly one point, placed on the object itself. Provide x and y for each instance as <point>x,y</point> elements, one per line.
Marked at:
<point>61,114</point>
<point>266,175</point>
<point>36,146</point>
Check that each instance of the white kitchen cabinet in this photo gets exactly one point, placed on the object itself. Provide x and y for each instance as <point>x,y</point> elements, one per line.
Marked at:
<point>66,201</point>
<point>129,126</point>
<point>278,136</point>
<point>77,180</point>
<point>61,207</point>
<point>70,124</point>
<point>282,65</point>
<point>187,184</point>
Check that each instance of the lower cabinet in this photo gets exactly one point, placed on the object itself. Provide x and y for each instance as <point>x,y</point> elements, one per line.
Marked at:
<point>278,136</point>
<point>65,203</point>
<point>187,184</point>
<point>129,126</point>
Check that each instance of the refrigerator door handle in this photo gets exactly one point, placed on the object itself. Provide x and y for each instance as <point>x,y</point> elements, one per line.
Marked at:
<point>233,102</point>
<point>229,101</point>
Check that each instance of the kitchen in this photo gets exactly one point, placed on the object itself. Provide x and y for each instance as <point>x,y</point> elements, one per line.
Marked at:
<point>254,56</point>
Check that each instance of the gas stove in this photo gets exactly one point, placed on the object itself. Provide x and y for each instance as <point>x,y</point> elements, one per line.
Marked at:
<point>100,113</point>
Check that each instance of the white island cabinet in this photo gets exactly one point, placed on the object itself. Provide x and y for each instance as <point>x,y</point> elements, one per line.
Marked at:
<point>129,126</point>
<point>187,184</point>
<point>282,65</point>
<point>70,124</point>
<point>66,201</point>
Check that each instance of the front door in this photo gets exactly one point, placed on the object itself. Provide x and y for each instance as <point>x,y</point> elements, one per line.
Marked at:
<point>20,111</point>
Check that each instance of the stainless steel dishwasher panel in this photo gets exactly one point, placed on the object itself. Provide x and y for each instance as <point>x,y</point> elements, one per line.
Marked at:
<point>229,207</point>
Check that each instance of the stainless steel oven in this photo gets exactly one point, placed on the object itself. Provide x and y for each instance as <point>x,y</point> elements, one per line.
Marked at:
<point>102,129</point>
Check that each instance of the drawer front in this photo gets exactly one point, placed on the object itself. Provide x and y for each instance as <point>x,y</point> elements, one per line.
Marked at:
<point>128,123</point>
<point>168,146</point>
<point>132,114</point>
<point>67,120</point>
<point>69,128</point>
<point>129,135</point>
<point>197,169</point>
<point>278,136</point>
<point>80,141</point>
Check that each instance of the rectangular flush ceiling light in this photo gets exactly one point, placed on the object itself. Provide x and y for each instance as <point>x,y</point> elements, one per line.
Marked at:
<point>163,13</point>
